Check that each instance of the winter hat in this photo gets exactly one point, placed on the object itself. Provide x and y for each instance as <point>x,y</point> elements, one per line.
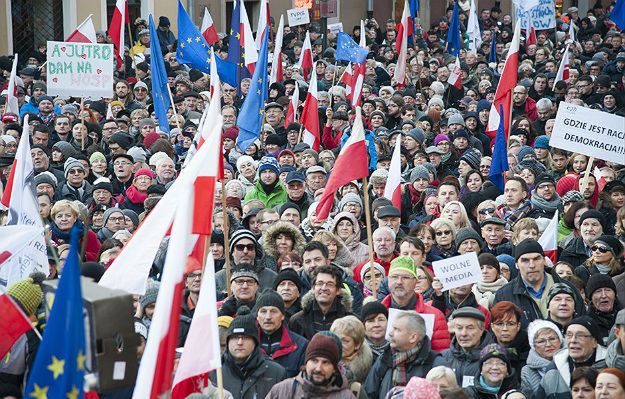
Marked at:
<point>72,163</point>
<point>270,298</point>
<point>245,159</point>
<point>231,133</point>
<point>288,275</point>
<point>559,288</point>
<point>323,346</point>
<point>614,186</point>
<point>598,281</point>
<point>591,326</point>
<point>132,215</point>
<point>379,113</point>
<point>537,325</point>
<point>566,184</point>
<point>150,139</point>
<point>487,259</point>
<point>472,157</point>
<point>108,213</point>
<point>527,246</point>
<point>612,243</point>
<point>138,154</point>
<point>372,309</point>
<point>124,140</point>
<point>495,350</point>
<point>525,151</point>
<point>366,268</point>
<point>378,176</point>
<point>417,134</point>
<point>544,178</point>
<point>470,312</point>
<point>151,293</point>
<point>240,234</point>
<point>467,233</point>
<point>455,119</point>
<point>483,105</point>
<point>440,137</point>
<point>418,388</point>
<point>509,261</point>
<point>144,172</point>
<point>348,198</point>
<point>27,293</point>
<point>141,329</point>
<point>224,321</point>
<point>405,263</point>
<point>96,156</point>
<point>46,177</point>
<point>312,153</point>
<point>593,214</point>
<point>419,172</point>
<point>572,196</point>
<point>64,148</point>
<point>243,270</point>
<point>243,324</point>
<point>93,270</point>
<point>542,142</point>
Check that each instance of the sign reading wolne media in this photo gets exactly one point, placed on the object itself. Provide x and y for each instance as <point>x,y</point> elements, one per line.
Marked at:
<point>590,132</point>
<point>80,69</point>
<point>458,271</point>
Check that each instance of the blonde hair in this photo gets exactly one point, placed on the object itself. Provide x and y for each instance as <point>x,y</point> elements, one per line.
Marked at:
<point>63,205</point>
<point>620,221</point>
<point>350,326</point>
<point>440,222</point>
<point>443,372</point>
<point>464,222</point>
<point>523,224</point>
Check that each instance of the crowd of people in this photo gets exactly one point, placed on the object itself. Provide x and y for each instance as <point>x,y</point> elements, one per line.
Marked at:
<point>305,314</point>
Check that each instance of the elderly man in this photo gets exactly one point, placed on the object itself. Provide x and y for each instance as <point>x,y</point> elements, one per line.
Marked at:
<point>579,249</point>
<point>409,355</point>
<point>494,234</point>
<point>321,377</point>
<point>165,171</point>
<point>296,191</point>
<point>76,187</point>
<point>383,249</point>
<point>615,356</point>
<point>582,349</point>
<point>122,169</point>
<point>389,216</point>
<point>529,290</point>
<point>601,293</point>
<point>316,178</point>
<point>245,290</point>
<point>289,286</point>
<point>41,162</point>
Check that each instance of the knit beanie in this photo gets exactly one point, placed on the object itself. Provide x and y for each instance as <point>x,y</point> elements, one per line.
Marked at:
<point>372,309</point>
<point>487,259</point>
<point>455,119</point>
<point>366,269</point>
<point>560,288</point>
<point>323,346</point>
<point>243,270</point>
<point>46,177</point>
<point>108,213</point>
<point>420,388</point>
<point>231,133</point>
<point>527,246</point>
<point>483,105</point>
<point>417,134</point>
<point>224,321</point>
<point>419,172</point>
<point>495,350</point>
<point>565,184</point>
<point>472,157</point>
<point>590,324</point>
<point>150,139</point>
<point>440,137</point>
<point>466,233</point>
<point>612,243</point>
<point>572,196</point>
<point>348,198</point>
<point>27,293</point>
<point>72,163</point>
<point>593,214</point>
<point>379,113</point>
<point>288,275</point>
<point>537,325</point>
<point>138,154</point>
<point>96,156</point>
<point>270,298</point>
<point>144,172</point>
<point>525,151</point>
<point>243,324</point>
<point>103,183</point>
<point>312,153</point>
<point>240,234</point>
<point>598,281</point>
<point>542,142</point>
<point>151,293</point>
<point>132,215</point>
<point>405,263</point>
<point>245,159</point>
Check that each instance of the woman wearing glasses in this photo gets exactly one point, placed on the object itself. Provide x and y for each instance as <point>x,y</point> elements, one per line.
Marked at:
<point>445,234</point>
<point>545,339</point>
<point>506,327</point>
<point>606,252</point>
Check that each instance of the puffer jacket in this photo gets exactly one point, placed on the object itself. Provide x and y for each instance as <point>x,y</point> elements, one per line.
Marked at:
<point>466,364</point>
<point>270,235</point>
<point>276,197</point>
<point>533,372</point>
<point>300,387</point>
<point>309,321</point>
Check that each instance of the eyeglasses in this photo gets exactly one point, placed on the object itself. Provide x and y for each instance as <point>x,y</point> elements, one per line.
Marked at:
<point>377,276</point>
<point>443,233</point>
<point>579,336</point>
<point>544,341</point>
<point>76,171</point>
<point>321,284</point>
<point>241,282</point>
<point>505,324</point>
<point>487,211</point>
<point>243,247</point>
<point>268,222</point>
<point>117,219</point>
<point>120,163</point>
<point>597,248</point>
<point>141,89</point>
<point>193,276</point>
<point>494,363</point>
<point>545,186</point>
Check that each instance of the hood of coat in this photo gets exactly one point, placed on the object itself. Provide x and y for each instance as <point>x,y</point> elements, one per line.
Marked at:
<point>270,235</point>
<point>346,300</point>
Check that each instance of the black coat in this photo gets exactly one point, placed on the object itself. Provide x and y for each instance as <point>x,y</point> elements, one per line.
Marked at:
<point>465,364</point>
<point>575,253</point>
<point>310,320</point>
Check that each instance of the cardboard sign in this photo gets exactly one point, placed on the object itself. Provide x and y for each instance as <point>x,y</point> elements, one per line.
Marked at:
<point>458,271</point>
<point>80,69</point>
<point>335,28</point>
<point>590,132</point>
<point>543,15</point>
<point>298,16</point>
<point>428,318</point>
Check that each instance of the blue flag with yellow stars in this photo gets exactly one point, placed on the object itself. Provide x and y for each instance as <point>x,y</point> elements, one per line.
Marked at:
<point>499,164</point>
<point>250,121</point>
<point>453,34</point>
<point>160,91</point>
<point>59,367</point>
<point>194,50</point>
<point>348,50</point>
<point>236,46</point>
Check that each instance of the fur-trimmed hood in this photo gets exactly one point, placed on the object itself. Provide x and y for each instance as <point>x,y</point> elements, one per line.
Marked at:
<point>346,300</point>
<point>269,238</point>
<point>361,363</point>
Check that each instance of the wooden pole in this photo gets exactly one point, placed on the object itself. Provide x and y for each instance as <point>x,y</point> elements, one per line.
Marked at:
<point>220,382</point>
<point>374,286</point>
<point>226,234</point>
<point>582,188</point>
<point>173,107</point>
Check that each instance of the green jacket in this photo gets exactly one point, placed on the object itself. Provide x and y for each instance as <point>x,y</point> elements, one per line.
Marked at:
<point>563,230</point>
<point>277,197</point>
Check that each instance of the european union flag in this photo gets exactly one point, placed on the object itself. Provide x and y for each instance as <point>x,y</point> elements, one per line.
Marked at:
<point>348,50</point>
<point>453,34</point>
<point>236,48</point>
<point>59,366</point>
<point>160,89</point>
<point>195,51</point>
<point>618,14</point>
<point>492,55</point>
<point>414,13</point>
<point>250,121</point>
<point>499,164</point>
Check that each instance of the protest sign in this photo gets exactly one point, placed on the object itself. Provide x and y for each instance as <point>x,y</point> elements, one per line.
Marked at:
<point>428,318</point>
<point>21,253</point>
<point>458,271</point>
<point>80,69</point>
<point>543,15</point>
<point>298,16</point>
<point>335,28</point>
<point>590,132</point>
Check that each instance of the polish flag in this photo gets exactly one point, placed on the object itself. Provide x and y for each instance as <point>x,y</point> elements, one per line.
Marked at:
<point>277,74</point>
<point>208,28</point>
<point>503,95</point>
<point>563,69</point>
<point>291,113</point>
<point>109,113</point>
<point>310,115</point>
<point>358,77</point>
<point>306,58</point>
<point>251,54</point>
<point>392,191</point>
<point>12,105</point>
<point>13,323</point>
<point>199,357</point>
<point>84,33</point>
<point>346,79</point>
<point>263,23</point>
<point>530,32</point>
<point>549,239</point>
<point>215,84</point>
<point>601,183</point>
<point>455,76</point>
<point>571,33</point>
<point>116,30</point>
<point>351,164</point>
<point>401,45</point>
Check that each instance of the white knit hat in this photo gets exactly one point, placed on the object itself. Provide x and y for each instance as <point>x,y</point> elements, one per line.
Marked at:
<point>538,325</point>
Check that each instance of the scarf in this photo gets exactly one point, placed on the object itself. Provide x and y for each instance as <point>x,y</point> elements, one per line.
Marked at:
<point>603,269</point>
<point>614,356</point>
<point>58,234</point>
<point>445,157</point>
<point>541,203</point>
<point>400,360</point>
<point>378,350</point>
<point>135,196</point>
<point>487,387</point>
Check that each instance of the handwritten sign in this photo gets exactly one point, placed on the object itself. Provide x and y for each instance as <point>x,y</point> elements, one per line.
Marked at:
<point>80,69</point>
<point>298,16</point>
<point>335,28</point>
<point>393,313</point>
<point>458,271</point>
<point>590,132</point>
<point>543,15</point>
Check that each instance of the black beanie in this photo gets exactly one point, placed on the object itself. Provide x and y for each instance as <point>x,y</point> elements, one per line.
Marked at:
<point>243,324</point>
<point>490,260</point>
<point>527,246</point>
<point>290,275</point>
<point>270,298</point>
<point>591,326</point>
<point>593,214</point>
<point>195,75</point>
<point>372,309</point>
<point>598,281</point>
<point>613,244</point>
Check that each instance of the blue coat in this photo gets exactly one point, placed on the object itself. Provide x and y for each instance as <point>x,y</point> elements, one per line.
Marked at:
<point>291,353</point>
<point>369,140</point>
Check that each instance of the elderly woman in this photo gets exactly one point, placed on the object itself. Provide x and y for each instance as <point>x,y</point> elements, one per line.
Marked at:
<point>492,280</point>
<point>65,217</point>
<point>246,166</point>
<point>545,340</point>
<point>506,327</point>
<point>357,356</point>
<point>337,251</point>
<point>495,376</point>
<point>138,191</point>
<point>281,239</point>
<point>347,228</point>
<point>443,377</point>
<point>445,234</point>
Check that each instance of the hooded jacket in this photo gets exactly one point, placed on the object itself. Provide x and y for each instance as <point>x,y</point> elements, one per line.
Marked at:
<point>359,251</point>
<point>300,387</point>
<point>277,196</point>
<point>310,320</point>
<point>269,238</point>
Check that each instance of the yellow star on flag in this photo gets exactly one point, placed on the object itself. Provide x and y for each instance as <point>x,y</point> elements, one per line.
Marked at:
<point>40,392</point>
<point>260,80</point>
<point>197,38</point>
<point>188,40</point>
<point>73,394</point>
<point>56,367</point>
<point>80,360</point>
<point>181,45</point>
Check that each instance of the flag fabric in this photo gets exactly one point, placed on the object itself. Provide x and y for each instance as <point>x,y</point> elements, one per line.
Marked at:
<point>549,239</point>
<point>116,30</point>
<point>310,115</point>
<point>12,104</point>
<point>351,164</point>
<point>306,59</point>
<point>392,191</point>
<point>499,164</point>
<point>241,48</point>
<point>59,367</point>
<point>492,54</point>
<point>84,33</point>
<point>250,120</point>
<point>277,74</point>
<point>563,69</point>
<point>13,323</point>
<point>346,79</point>
<point>348,50</point>
<point>201,352</point>
<point>414,13</point>
<point>618,14</point>
<point>194,50</point>
<point>263,23</point>
<point>209,32</point>
<point>20,254</point>
<point>454,42</point>
<point>473,29</point>
<point>530,32</point>
<point>291,113</point>
<point>572,31</point>
<point>358,74</point>
<point>455,75</point>
<point>503,94</point>
<point>401,45</point>
<point>160,84</point>
<point>600,178</point>
<point>109,112</point>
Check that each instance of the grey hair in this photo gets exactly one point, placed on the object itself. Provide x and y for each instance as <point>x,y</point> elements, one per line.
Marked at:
<point>383,229</point>
<point>442,372</point>
<point>415,322</point>
<point>544,103</point>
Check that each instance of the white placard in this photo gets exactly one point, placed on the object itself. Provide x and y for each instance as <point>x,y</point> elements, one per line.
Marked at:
<point>80,69</point>
<point>298,16</point>
<point>543,15</point>
<point>590,132</point>
<point>428,318</point>
<point>335,28</point>
<point>458,271</point>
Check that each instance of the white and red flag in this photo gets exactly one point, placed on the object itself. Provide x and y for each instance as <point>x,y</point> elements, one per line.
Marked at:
<point>277,74</point>
<point>20,254</point>
<point>291,113</point>
<point>455,75</point>
<point>346,79</point>
<point>549,239</point>
<point>600,178</point>
<point>571,33</point>
<point>13,323</point>
<point>563,69</point>
<point>530,32</point>
<point>503,94</point>
<point>208,29</point>
<point>84,33</point>
<point>404,29</point>
<point>248,43</point>
<point>306,58</point>
<point>392,191</point>
<point>310,115</point>
<point>116,29</point>
<point>351,164</point>
<point>12,105</point>
<point>263,23</point>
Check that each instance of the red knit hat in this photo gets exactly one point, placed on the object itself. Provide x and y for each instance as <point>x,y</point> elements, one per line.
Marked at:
<point>231,133</point>
<point>150,138</point>
<point>566,184</point>
<point>144,172</point>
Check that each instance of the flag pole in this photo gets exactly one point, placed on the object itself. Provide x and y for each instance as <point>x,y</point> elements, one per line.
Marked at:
<point>226,228</point>
<point>369,236</point>
<point>220,382</point>
<point>173,106</point>
<point>591,160</point>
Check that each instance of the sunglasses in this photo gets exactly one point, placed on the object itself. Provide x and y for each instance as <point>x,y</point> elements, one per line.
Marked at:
<point>243,247</point>
<point>597,248</point>
<point>487,211</point>
<point>443,233</point>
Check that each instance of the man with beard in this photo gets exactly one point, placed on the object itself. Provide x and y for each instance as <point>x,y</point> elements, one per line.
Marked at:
<point>321,377</point>
<point>545,201</point>
<point>591,226</point>
<point>229,113</point>
<point>165,171</point>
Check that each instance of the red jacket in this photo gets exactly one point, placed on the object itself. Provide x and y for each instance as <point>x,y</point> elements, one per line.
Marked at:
<point>358,268</point>
<point>329,140</point>
<point>440,337</point>
<point>92,247</point>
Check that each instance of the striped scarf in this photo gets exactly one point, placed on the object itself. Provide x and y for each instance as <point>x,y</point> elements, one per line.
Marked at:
<point>400,360</point>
